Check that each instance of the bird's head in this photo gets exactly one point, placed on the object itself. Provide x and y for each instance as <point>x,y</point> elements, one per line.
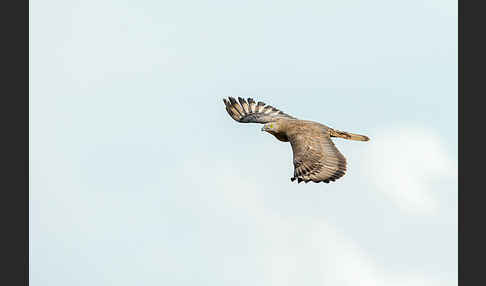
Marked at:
<point>272,127</point>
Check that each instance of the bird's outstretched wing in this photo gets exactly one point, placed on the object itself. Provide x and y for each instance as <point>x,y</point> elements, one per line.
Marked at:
<point>316,158</point>
<point>251,112</point>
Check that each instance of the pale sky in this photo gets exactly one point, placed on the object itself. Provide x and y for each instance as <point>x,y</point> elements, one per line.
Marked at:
<point>138,176</point>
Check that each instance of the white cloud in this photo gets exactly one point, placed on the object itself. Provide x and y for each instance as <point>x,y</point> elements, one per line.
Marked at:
<point>291,249</point>
<point>405,163</point>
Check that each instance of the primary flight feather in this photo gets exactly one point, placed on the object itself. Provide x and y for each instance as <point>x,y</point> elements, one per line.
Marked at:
<point>316,158</point>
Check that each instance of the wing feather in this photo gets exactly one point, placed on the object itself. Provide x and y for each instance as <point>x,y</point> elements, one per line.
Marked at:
<point>316,158</point>
<point>252,104</point>
<point>250,112</point>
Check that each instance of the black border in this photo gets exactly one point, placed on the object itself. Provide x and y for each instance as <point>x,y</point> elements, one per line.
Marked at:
<point>471,235</point>
<point>15,148</point>
<point>460,270</point>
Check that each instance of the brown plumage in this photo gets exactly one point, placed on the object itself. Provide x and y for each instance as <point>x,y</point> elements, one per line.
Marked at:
<point>316,158</point>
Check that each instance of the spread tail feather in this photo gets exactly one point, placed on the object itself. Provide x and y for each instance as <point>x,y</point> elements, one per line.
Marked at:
<point>347,135</point>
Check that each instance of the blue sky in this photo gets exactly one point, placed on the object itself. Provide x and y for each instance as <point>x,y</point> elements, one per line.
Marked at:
<point>138,175</point>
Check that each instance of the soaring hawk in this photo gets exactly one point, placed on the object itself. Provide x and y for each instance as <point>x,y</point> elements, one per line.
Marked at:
<point>316,158</point>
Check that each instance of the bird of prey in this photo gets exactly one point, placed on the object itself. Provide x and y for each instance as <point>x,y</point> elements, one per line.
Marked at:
<point>315,157</point>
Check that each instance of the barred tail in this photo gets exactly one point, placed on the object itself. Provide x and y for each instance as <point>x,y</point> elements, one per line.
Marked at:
<point>347,135</point>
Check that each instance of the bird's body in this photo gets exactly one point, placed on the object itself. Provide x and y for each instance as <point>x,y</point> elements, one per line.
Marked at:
<point>315,156</point>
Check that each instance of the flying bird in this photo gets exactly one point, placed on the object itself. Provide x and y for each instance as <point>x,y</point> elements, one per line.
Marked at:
<point>315,156</point>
